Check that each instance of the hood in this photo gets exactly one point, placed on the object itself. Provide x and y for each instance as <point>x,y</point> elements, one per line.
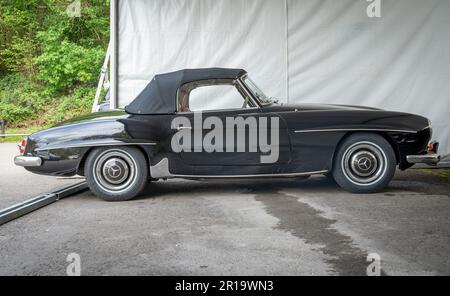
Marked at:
<point>327,116</point>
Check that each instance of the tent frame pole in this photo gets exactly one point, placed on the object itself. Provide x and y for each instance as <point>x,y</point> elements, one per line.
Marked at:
<point>101,81</point>
<point>114,25</point>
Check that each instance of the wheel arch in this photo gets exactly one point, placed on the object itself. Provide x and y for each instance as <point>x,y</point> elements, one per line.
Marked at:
<point>385,135</point>
<point>81,164</point>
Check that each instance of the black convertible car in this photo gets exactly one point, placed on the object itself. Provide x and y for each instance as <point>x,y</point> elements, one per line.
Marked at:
<point>171,131</point>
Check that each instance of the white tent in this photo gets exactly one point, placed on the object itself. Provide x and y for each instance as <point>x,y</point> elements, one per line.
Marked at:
<point>297,50</point>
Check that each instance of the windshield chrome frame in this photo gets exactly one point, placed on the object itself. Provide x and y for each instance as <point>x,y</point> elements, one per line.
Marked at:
<point>248,89</point>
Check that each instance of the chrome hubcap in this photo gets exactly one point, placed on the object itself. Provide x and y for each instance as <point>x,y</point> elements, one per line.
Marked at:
<point>364,163</point>
<point>114,171</point>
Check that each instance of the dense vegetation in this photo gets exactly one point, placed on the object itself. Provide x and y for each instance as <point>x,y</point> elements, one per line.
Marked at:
<point>49,62</point>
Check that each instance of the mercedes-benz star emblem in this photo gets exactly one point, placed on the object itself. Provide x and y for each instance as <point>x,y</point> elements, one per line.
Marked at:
<point>114,171</point>
<point>364,163</point>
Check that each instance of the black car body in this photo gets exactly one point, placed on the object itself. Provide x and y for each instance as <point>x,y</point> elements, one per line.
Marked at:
<point>310,135</point>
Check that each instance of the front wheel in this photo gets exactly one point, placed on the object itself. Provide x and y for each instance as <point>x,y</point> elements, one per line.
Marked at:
<point>116,173</point>
<point>364,163</point>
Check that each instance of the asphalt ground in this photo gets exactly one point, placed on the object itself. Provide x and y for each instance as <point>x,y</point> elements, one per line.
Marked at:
<point>235,227</point>
<point>17,184</point>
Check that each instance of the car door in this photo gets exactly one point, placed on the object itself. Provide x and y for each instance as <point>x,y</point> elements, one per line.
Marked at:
<point>228,130</point>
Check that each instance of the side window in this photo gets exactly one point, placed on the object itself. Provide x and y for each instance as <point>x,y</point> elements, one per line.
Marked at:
<point>212,97</point>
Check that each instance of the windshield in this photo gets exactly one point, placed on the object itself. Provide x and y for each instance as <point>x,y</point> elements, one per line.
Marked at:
<point>259,94</point>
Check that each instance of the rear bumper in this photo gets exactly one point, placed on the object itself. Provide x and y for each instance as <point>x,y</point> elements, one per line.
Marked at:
<point>431,158</point>
<point>27,161</point>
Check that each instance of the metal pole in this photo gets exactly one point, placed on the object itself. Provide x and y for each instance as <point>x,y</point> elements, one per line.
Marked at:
<point>114,24</point>
<point>287,51</point>
<point>2,125</point>
<point>101,80</point>
<point>32,204</point>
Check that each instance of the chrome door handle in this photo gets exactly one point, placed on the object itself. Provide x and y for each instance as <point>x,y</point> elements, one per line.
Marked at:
<point>184,128</point>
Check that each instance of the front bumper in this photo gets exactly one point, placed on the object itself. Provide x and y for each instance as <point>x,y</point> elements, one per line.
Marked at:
<point>27,161</point>
<point>431,158</point>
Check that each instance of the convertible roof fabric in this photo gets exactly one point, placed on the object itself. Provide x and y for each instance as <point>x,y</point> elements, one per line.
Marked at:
<point>159,96</point>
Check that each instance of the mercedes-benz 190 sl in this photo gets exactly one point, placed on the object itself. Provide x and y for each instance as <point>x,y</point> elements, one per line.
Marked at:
<point>217,123</point>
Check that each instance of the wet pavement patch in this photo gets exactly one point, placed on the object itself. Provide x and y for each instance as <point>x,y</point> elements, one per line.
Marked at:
<point>306,223</point>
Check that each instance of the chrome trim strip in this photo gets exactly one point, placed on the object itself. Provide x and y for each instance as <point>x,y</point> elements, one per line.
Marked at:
<point>249,114</point>
<point>92,145</point>
<point>250,176</point>
<point>27,161</point>
<point>354,129</point>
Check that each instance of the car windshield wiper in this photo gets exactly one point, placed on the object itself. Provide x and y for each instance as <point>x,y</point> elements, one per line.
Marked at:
<point>270,101</point>
<point>274,100</point>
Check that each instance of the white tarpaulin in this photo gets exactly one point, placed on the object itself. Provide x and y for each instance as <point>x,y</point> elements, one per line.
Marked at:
<point>326,51</point>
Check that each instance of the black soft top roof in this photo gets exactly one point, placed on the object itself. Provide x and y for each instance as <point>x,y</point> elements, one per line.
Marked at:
<point>159,96</point>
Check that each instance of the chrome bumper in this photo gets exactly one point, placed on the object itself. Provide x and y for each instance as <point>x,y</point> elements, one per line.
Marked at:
<point>431,158</point>
<point>27,161</point>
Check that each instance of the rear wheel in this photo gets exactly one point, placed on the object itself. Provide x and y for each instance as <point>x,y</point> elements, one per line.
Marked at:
<point>116,173</point>
<point>364,163</point>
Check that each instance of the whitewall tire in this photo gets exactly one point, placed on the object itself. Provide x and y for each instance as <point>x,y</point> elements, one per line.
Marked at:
<point>116,173</point>
<point>364,163</point>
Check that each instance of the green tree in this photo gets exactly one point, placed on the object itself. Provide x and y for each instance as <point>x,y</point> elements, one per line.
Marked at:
<point>48,60</point>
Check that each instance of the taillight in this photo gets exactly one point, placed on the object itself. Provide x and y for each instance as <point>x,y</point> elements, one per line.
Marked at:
<point>22,146</point>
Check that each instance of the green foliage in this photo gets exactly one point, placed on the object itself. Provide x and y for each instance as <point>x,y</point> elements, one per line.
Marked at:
<point>18,25</point>
<point>25,103</point>
<point>64,64</point>
<point>49,62</point>
<point>19,57</point>
<point>20,99</point>
<point>13,113</point>
<point>78,102</point>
